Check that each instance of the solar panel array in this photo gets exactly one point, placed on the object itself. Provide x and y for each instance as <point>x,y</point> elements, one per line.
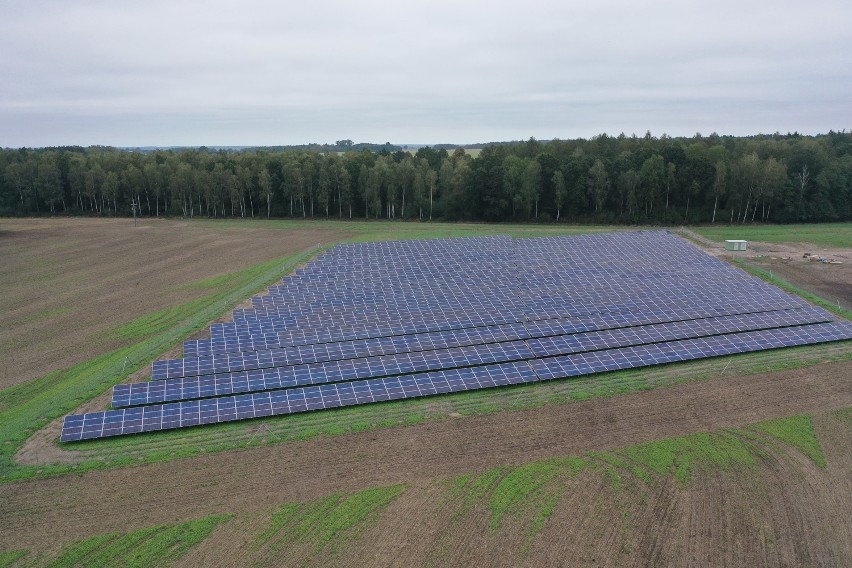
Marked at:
<point>369,322</point>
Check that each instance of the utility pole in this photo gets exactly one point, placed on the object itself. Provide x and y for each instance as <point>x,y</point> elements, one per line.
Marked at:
<point>133,206</point>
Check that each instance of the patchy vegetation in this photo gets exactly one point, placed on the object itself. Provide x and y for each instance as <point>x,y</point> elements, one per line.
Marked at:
<point>142,548</point>
<point>835,235</point>
<point>528,494</point>
<point>323,526</point>
<point>797,432</point>
<point>29,406</point>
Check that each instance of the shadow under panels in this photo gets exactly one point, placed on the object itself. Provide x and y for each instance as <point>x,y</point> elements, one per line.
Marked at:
<point>454,315</point>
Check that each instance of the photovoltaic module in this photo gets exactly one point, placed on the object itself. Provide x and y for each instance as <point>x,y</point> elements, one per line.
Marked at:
<point>371,322</point>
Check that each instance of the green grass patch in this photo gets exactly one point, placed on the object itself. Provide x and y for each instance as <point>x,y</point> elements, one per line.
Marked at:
<point>76,554</point>
<point>352,511</point>
<point>798,432</point>
<point>325,524</point>
<point>467,490</point>
<point>150,546</point>
<point>213,283</point>
<point>835,235</point>
<point>11,557</point>
<point>280,519</point>
<point>27,407</point>
<point>530,493</point>
<point>525,486</point>
<point>682,456</point>
<point>161,321</point>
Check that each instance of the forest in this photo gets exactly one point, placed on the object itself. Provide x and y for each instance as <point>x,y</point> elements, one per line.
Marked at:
<point>622,179</point>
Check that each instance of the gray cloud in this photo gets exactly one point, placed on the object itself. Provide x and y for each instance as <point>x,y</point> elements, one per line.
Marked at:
<point>216,73</point>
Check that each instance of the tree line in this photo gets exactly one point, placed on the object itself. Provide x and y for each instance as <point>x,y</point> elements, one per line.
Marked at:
<point>610,179</point>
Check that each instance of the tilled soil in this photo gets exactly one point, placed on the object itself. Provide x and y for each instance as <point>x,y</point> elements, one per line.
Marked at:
<point>787,260</point>
<point>786,511</point>
<point>67,284</point>
<point>40,513</point>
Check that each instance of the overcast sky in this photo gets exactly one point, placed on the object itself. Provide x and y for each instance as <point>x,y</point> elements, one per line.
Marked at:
<point>426,71</point>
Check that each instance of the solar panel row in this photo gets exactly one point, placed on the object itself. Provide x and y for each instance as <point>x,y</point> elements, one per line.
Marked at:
<point>538,328</point>
<point>272,403</point>
<point>383,345</point>
<point>344,370</point>
<point>386,345</point>
<point>519,250</point>
<point>317,373</point>
<point>377,321</point>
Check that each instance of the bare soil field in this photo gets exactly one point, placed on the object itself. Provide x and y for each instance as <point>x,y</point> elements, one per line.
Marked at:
<point>68,284</point>
<point>44,513</point>
<point>831,281</point>
<point>85,278</point>
<point>787,260</point>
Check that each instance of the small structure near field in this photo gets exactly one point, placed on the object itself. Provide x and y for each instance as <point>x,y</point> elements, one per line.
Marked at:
<point>736,245</point>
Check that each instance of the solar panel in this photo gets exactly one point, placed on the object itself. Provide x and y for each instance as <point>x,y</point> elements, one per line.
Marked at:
<point>316,373</point>
<point>382,345</point>
<point>186,388</point>
<point>301,399</point>
<point>370,314</point>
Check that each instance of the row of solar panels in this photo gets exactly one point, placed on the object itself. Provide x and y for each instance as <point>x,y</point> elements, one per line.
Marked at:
<point>228,338</point>
<point>384,345</point>
<point>347,368</point>
<point>438,311</point>
<point>549,308</point>
<point>700,289</point>
<point>282,402</point>
<point>587,299</point>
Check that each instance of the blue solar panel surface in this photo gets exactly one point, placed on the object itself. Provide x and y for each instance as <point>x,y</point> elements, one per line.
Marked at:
<point>368,322</point>
<point>301,399</point>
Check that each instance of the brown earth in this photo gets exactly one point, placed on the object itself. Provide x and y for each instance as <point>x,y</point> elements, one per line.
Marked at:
<point>830,281</point>
<point>68,283</point>
<point>786,512</point>
<point>46,513</point>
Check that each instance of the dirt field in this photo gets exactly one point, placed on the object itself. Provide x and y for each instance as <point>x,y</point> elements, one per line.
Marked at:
<point>45,513</point>
<point>830,281</point>
<point>69,283</point>
<point>783,509</point>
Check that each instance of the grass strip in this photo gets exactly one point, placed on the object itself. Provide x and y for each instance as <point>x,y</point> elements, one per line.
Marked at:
<point>323,525</point>
<point>834,235</point>
<point>27,407</point>
<point>149,546</point>
<point>9,558</point>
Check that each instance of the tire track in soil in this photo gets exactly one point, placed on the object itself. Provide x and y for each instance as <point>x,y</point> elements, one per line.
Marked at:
<point>70,507</point>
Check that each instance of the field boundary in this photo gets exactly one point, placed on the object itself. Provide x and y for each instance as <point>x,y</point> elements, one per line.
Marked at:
<point>30,406</point>
<point>26,408</point>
